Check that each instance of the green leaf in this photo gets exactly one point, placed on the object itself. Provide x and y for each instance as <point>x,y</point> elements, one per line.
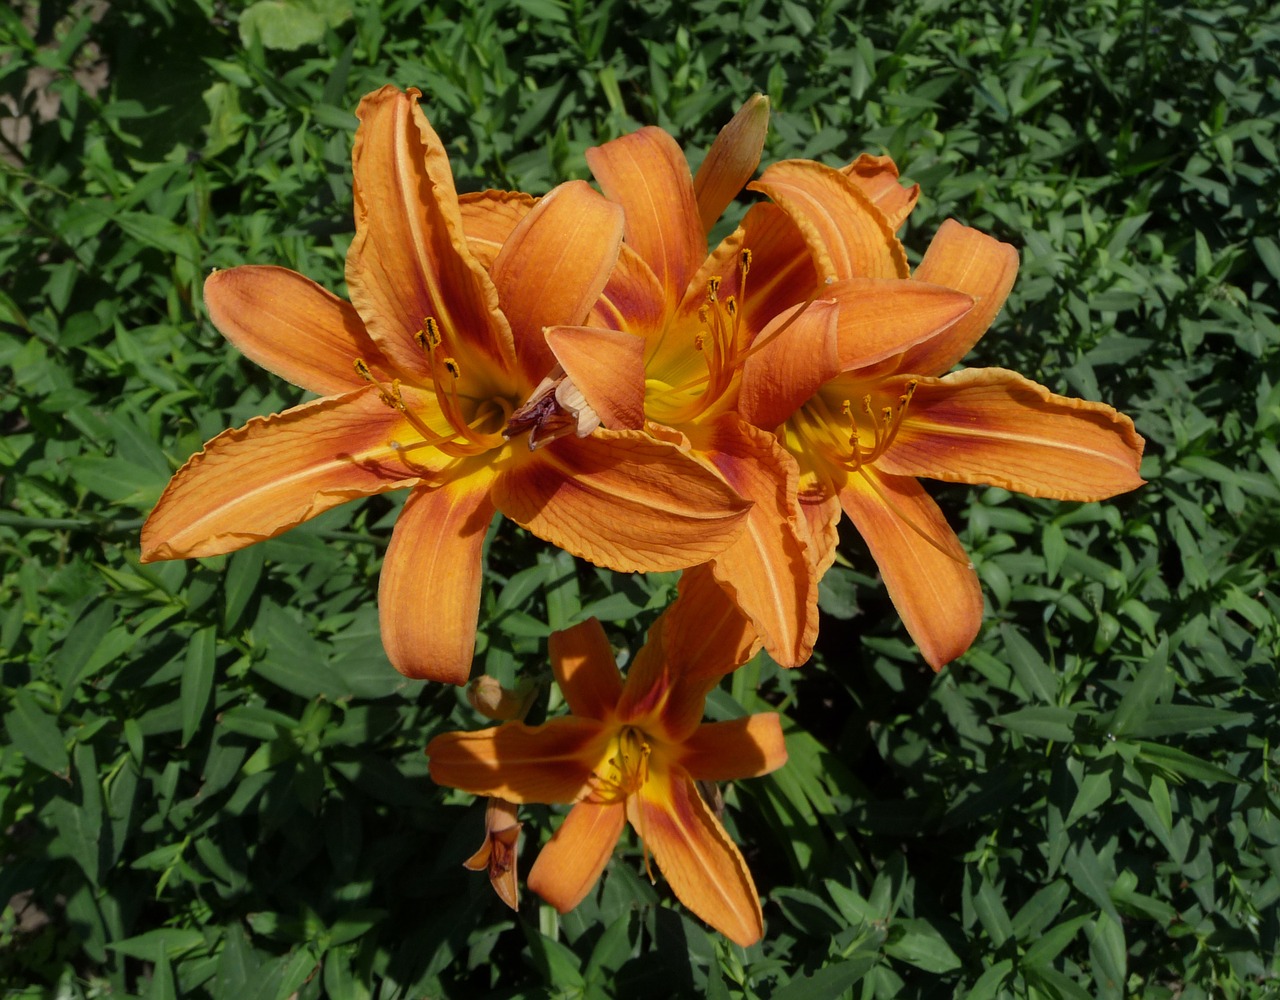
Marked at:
<point>917,942</point>
<point>196,687</point>
<point>1043,722</point>
<point>35,733</point>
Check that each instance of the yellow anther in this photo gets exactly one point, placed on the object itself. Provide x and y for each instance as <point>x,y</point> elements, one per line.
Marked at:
<point>713,288</point>
<point>431,331</point>
<point>731,306</point>
<point>745,262</point>
<point>451,366</point>
<point>704,316</point>
<point>362,369</point>
<point>698,341</point>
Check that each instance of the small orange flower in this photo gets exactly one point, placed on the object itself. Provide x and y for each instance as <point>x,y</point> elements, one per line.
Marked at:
<point>633,751</point>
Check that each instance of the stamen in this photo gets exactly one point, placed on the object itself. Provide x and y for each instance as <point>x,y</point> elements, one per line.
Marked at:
<point>452,367</point>
<point>744,261</point>
<point>713,288</point>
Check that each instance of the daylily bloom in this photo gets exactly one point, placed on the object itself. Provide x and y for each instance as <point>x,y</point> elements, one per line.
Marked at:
<point>865,436</point>
<point>634,751</point>
<point>677,334</point>
<point>429,379</point>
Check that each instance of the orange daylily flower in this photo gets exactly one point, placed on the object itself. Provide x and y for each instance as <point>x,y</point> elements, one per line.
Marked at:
<point>634,751</point>
<point>668,344</point>
<point>429,379</point>
<point>864,438</point>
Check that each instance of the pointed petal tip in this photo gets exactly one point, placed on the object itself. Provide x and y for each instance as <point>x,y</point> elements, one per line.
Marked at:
<point>732,159</point>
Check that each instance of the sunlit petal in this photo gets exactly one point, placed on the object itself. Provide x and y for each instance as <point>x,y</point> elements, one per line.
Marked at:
<point>574,858</point>
<point>800,353</point>
<point>927,573</point>
<point>740,748</point>
<point>585,669</point>
<point>877,176</point>
<point>429,591</point>
<point>607,366</point>
<point>732,160</point>
<point>879,318</point>
<point>488,217</point>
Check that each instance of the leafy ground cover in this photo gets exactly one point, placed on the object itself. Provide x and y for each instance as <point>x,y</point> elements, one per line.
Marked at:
<point>211,781</point>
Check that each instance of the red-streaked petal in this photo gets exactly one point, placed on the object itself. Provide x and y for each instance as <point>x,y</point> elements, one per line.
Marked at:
<point>993,426</point>
<point>488,218</point>
<point>553,267</point>
<point>607,366</point>
<point>878,319</point>
<point>732,160</point>
<point>766,570</point>
<point>548,763</point>
<point>622,499</point>
<point>739,748</point>
<point>704,867</point>
<point>574,858</point>
<point>970,262</point>
<point>256,481</point>
<point>791,365</point>
<point>932,583</point>
<point>877,176</point>
<point>633,299</point>
<point>409,259</point>
<point>585,669</point>
<point>646,173</point>
<point>850,237</point>
<point>429,591</point>
<point>292,327</point>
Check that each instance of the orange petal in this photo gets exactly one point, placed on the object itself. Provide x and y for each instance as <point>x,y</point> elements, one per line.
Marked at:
<point>732,160</point>
<point>574,858</point>
<point>705,634</point>
<point>992,426</point>
<point>970,262</point>
<point>705,868</point>
<point>585,669</point>
<point>553,267</point>
<point>633,299</point>
<point>792,364</point>
<point>741,748</point>
<point>622,499</point>
<point>879,319</point>
<point>292,327</point>
<point>822,513</point>
<point>877,176</point>
<point>646,173</point>
<point>784,271</point>
<point>497,855</point>
<point>409,259</point>
<point>607,366</point>
<point>256,481</point>
<point>429,591</point>
<point>849,236</point>
<point>929,579</point>
<point>488,218</point>
<point>548,763</point>
<point>766,570</point>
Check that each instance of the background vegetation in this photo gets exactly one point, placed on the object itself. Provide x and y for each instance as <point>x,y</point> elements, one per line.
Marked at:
<point>211,781</point>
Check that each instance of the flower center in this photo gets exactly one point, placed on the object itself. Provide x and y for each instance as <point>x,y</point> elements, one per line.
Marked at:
<point>868,436</point>
<point>624,768</point>
<point>472,426</point>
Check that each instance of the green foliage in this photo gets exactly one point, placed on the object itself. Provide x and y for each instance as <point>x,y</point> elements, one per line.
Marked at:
<point>212,782</point>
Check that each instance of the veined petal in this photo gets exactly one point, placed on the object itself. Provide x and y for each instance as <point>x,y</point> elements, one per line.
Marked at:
<point>971,262</point>
<point>822,514</point>
<point>881,318</point>
<point>553,267</point>
<point>791,365</point>
<point>607,366</point>
<point>877,176</point>
<point>622,499</point>
<point>705,634</point>
<point>548,763</point>
<point>488,218</point>
<point>646,173</point>
<point>409,259</point>
<point>574,858</point>
<point>849,235</point>
<point>429,590</point>
<point>256,481</point>
<point>705,868</point>
<point>740,748</point>
<point>732,160</point>
<point>585,669</point>
<point>633,299</point>
<point>992,426</point>
<point>766,570</point>
<point>292,327</point>
<point>931,581</point>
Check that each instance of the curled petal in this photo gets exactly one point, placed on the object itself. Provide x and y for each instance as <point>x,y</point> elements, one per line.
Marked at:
<point>740,748</point>
<point>292,327</point>
<point>548,763</point>
<point>646,173</point>
<point>799,354</point>
<point>822,513</point>
<point>705,868</point>
<point>585,669</point>
<point>992,426</point>
<point>877,176</point>
<point>553,267</point>
<point>497,855</point>
<point>970,262</point>
<point>257,481</point>
<point>732,160</point>
<point>488,217</point>
<point>927,573</point>
<point>429,591</point>
<point>622,499</point>
<point>574,858</point>
<point>607,366</point>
